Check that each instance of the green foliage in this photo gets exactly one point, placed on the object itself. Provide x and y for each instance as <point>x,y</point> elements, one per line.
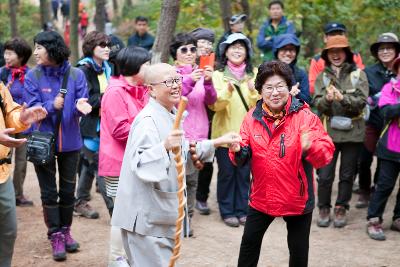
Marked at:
<point>28,18</point>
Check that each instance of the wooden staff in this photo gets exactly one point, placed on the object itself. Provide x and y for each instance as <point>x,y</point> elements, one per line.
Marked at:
<point>181,187</point>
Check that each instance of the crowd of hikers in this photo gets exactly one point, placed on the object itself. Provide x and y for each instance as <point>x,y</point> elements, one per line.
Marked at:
<point>271,130</point>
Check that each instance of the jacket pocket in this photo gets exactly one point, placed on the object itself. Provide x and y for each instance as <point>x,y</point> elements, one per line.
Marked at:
<point>164,210</point>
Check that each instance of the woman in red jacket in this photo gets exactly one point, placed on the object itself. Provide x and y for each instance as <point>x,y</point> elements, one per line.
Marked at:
<point>283,140</point>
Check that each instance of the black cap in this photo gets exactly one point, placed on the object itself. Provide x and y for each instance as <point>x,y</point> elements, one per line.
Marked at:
<point>334,26</point>
<point>237,18</point>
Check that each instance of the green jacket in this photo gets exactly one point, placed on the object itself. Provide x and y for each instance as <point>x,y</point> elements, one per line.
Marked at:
<point>229,108</point>
<point>352,105</point>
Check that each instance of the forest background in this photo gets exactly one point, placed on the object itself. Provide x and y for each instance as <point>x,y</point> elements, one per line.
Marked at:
<point>364,19</point>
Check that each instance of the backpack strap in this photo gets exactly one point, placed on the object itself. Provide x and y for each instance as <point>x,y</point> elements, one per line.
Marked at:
<point>241,96</point>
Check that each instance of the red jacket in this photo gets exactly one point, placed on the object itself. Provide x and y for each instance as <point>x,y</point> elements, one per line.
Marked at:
<point>283,182</point>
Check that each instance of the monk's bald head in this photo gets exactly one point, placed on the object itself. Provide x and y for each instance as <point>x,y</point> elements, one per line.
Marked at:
<point>159,72</point>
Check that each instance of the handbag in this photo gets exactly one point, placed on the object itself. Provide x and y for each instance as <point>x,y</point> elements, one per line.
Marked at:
<point>40,146</point>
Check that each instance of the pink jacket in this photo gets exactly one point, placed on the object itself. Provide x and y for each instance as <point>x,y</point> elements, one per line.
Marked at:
<point>200,94</point>
<point>119,106</point>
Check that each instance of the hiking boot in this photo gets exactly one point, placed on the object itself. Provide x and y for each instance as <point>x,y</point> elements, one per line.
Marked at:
<point>374,229</point>
<point>324,218</point>
<point>232,222</point>
<point>82,208</point>
<point>70,244</point>
<point>340,219</point>
<point>202,207</point>
<point>22,201</point>
<point>58,246</point>
<point>242,220</point>
<point>395,225</point>
<point>362,201</point>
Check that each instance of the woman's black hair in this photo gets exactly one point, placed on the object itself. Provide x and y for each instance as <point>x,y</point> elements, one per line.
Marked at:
<point>130,59</point>
<point>57,50</point>
<point>179,40</point>
<point>271,68</point>
<point>20,47</point>
<point>224,60</point>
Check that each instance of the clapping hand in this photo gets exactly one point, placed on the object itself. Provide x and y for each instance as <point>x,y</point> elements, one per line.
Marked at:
<point>58,101</point>
<point>83,106</point>
<point>295,89</point>
<point>32,114</point>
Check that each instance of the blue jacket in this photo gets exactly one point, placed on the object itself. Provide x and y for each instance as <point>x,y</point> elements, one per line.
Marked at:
<point>268,33</point>
<point>146,41</point>
<point>42,84</point>
<point>300,75</point>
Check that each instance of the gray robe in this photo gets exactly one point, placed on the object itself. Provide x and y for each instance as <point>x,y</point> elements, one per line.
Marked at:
<point>146,201</point>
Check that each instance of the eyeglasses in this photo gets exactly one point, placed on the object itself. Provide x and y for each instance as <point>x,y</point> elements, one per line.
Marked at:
<point>170,82</point>
<point>280,87</point>
<point>104,44</point>
<point>384,49</point>
<point>204,42</point>
<point>185,49</point>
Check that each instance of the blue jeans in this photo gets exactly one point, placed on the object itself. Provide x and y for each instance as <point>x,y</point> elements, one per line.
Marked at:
<point>232,186</point>
<point>388,173</point>
<point>8,223</point>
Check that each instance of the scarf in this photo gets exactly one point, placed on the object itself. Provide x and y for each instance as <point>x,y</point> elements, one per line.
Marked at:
<point>17,73</point>
<point>238,71</point>
<point>272,116</point>
<point>105,67</point>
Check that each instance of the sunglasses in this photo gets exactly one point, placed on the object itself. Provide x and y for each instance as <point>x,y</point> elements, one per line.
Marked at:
<point>104,45</point>
<point>184,50</point>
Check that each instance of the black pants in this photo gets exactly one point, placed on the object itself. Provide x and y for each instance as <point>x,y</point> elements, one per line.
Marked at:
<point>388,174</point>
<point>326,175</point>
<point>58,205</point>
<point>257,223</point>
<point>203,185</point>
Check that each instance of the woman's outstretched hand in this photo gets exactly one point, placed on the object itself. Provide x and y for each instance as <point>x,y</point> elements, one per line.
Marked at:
<point>230,139</point>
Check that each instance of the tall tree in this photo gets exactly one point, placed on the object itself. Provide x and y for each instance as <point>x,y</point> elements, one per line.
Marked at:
<point>165,30</point>
<point>226,12</point>
<point>74,40</point>
<point>115,8</point>
<point>99,17</point>
<point>44,11</point>
<point>13,4</point>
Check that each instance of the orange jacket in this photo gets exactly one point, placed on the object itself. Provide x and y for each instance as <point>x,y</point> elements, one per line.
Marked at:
<point>8,120</point>
<point>317,65</point>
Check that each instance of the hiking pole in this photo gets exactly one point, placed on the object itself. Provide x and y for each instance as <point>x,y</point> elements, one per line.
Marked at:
<point>181,187</point>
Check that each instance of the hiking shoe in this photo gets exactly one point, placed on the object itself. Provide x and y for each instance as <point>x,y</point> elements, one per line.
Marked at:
<point>22,201</point>
<point>324,218</point>
<point>83,208</point>
<point>374,229</point>
<point>242,220</point>
<point>232,222</point>
<point>202,207</point>
<point>58,246</point>
<point>70,244</point>
<point>362,201</point>
<point>395,225</point>
<point>340,219</point>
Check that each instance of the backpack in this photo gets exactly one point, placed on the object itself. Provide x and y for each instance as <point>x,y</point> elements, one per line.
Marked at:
<point>354,78</point>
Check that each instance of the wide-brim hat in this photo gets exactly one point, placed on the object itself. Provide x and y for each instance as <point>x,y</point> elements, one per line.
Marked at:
<point>233,38</point>
<point>385,38</point>
<point>203,33</point>
<point>338,41</point>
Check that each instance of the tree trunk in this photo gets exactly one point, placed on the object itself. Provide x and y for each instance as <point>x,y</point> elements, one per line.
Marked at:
<point>165,30</point>
<point>44,11</point>
<point>74,39</point>
<point>226,12</point>
<point>246,9</point>
<point>13,17</point>
<point>99,17</point>
<point>115,8</point>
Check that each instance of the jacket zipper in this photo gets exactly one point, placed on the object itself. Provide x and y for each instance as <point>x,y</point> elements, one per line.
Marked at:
<point>301,185</point>
<point>282,146</point>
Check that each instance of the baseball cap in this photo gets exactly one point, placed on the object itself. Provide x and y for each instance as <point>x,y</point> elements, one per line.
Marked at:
<point>237,18</point>
<point>334,26</point>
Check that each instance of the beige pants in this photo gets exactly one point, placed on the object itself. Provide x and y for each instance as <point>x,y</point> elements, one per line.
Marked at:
<point>116,249</point>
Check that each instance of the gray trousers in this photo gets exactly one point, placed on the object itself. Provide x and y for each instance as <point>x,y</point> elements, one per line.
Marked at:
<point>20,167</point>
<point>147,251</point>
<point>8,223</point>
<point>191,188</point>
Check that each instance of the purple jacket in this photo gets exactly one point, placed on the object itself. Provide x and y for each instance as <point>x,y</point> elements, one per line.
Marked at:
<point>389,102</point>
<point>42,84</point>
<point>17,88</point>
<point>200,94</point>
